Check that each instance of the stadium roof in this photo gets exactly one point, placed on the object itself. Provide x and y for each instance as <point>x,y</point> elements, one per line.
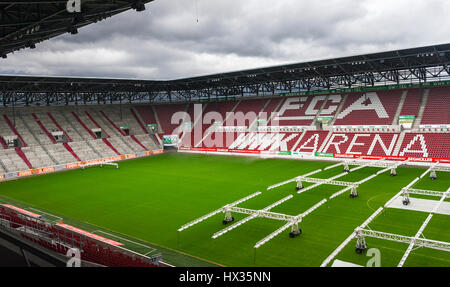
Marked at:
<point>416,65</point>
<point>24,23</point>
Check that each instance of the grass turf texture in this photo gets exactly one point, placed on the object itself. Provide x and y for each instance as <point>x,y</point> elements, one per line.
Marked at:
<point>151,198</point>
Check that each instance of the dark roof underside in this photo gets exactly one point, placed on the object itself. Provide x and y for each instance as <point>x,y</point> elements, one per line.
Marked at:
<point>24,23</point>
<point>421,63</point>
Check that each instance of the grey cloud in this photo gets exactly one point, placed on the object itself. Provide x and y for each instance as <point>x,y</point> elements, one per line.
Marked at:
<point>166,42</point>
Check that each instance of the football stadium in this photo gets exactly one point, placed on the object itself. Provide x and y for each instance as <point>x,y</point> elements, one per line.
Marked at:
<point>319,163</point>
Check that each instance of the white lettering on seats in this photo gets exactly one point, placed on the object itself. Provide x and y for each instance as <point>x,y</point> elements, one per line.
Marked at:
<point>335,144</point>
<point>262,141</point>
<point>311,110</point>
<point>387,151</point>
<point>281,144</point>
<point>423,150</point>
<point>358,105</point>
<point>335,99</point>
<point>315,138</point>
<point>354,143</point>
<point>292,104</point>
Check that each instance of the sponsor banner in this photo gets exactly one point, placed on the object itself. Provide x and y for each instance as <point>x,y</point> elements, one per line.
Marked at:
<point>88,234</point>
<point>407,117</point>
<point>319,154</point>
<point>244,151</point>
<point>396,158</point>
<point>36,171</point>
<point>324,154</point>
<point>23,211</point>
<point>201,149</point>
<point>130,156</point>
<point>25,173</point>
<point>76,165</point>
<point>73,165</point>
<point>267,152</point>
<point>219,150</point>
<point>170,140</point>
<point>338,155</point>
<point>101,160</point>
<point>10,175</point>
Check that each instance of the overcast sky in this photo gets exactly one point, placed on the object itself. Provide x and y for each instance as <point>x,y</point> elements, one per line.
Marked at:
<point>167,42</point>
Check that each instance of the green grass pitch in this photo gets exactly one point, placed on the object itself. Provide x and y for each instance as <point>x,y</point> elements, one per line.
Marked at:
<point>147,200</point>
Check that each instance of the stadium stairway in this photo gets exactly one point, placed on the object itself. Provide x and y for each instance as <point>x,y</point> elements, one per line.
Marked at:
<point>52,118</point>
<point>423,105</point>
<point>24,157</point>
<point>138,142</point>
<point>14,130</point>
<point>69,149</point>
<point>84,125</point>
<point>96,124</point>
<point>112,123</point>
<point>136,117</point>
<point>108,143</point>
<point>52,139</point>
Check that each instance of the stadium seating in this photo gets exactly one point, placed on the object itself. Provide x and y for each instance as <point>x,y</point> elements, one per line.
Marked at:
<point>434,145</point>
<point>412,103</point>
<point>374,108</point>
<point>299,111</point>
<point>311,141</point>
<point>379,144</point>
<point>437,110</point>
<point>37,148</point>
<point>363,124</point>
<point>59,239</point>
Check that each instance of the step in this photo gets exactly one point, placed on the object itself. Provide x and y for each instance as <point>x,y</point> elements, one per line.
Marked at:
<point>13,129</point>
<point>137,119</point>
<point>38,121</point>
<point>58,126</point>
<point>84,125</point>
<point>108,143</point>
<point>96,124</point>
<point>24,157</point>
<point>112,123</point>
<point>138,142</point>
<point>69,149</point>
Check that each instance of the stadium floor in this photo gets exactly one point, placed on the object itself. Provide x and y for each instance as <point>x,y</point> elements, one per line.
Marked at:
<point>147,200</point>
